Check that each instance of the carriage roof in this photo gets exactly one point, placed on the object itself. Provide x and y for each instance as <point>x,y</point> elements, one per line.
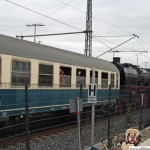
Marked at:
<point>22,48</point>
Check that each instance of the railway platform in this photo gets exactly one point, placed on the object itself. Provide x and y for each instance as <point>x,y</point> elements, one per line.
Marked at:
<point>146,143</point>
<point>99,146</point>
<point>145,140</point>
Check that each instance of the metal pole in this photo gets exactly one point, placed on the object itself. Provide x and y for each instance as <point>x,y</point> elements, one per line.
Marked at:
<point>80,90</point>
<point>78,120</point>
<point>27,117</point>
<point>109,118</point>
<point>93,112</point>
<point>33,25</point>
<point>141,113</point>
<point>37,35</point>
<point>34,33</point>
<point>137,59</point>
<point>88,35</point>
<point>81,111</point>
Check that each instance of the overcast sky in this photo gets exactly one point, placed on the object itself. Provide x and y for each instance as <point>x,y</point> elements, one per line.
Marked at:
<point>110,18</point>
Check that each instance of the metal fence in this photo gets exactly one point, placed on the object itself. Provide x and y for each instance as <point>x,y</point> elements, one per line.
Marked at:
<point>51,126</point>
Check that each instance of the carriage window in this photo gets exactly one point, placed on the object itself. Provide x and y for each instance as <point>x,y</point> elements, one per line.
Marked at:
<point>104,79</point>
<point>65,76</point>
<point>81,77</point>
<point>45,75</point>
<point>20,73</point>
<point>96,77</point>
<point>112,80</point>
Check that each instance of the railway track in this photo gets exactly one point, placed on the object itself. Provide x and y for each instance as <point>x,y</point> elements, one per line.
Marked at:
<point>34,135</point>
<point>46,132</point>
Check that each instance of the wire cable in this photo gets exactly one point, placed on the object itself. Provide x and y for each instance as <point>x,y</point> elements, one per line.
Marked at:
<point>110,42</point>
<point>116,46</point>
<point>130,34</point>
<point>113,36</point>
<point>114,26</point>
<point>43,15</point>
<point>101,42</point>
<point>143,49</point>
<point>54,12</point>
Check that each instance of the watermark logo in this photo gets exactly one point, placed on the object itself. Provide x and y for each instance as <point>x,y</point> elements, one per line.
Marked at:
<point>139,148</point>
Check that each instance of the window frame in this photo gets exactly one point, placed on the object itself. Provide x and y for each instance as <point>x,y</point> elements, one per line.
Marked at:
<point>20,72</point>
<point>81,77</point>
<point>96,76</point>
<point>46,74</point>
<point>112,80</point>
<point>66,75</point>
<point>103,79</point>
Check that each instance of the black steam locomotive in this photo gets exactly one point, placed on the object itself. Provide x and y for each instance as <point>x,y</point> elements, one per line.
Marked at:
<point>134,82</point>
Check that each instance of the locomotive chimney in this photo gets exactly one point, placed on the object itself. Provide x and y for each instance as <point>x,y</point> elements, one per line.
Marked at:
<point>116,59</point>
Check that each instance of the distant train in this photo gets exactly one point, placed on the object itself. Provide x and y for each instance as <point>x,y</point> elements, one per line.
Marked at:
<point>54,77</point>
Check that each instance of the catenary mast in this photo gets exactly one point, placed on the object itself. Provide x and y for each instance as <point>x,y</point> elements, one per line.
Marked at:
<point>88,34</point>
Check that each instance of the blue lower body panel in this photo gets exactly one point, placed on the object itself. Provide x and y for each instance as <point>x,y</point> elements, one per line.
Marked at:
<point>12,102</point>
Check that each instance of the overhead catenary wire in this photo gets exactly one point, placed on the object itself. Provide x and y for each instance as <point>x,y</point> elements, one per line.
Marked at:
<point>43,15</point>
<point>101,42</point>
<point>140,43</point>
<point>51,17</point>
<point>101,20</point>
<point>113,36</point>
<point>117,46</point>
<point>97,38</point>
<point>54,12</point>
<point>114,26</point>
<point>148,44</point>
<point>143,49</point>
<point>66,4</point>
<point>144,56</point>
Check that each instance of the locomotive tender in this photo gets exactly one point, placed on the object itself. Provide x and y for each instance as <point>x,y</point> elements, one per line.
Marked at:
<point>53,76</point>
<point>134,81</point>
<point>132,74</point>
